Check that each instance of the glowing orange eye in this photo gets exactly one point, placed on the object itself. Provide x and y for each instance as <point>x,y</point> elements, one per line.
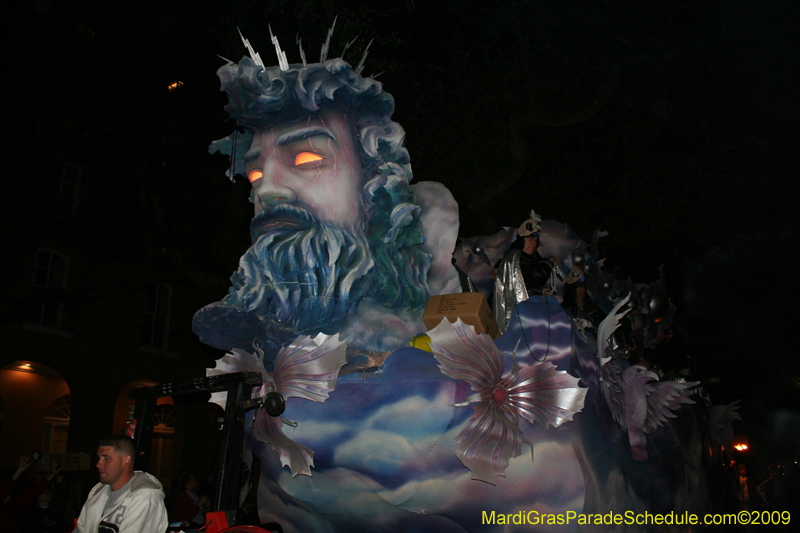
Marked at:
<point>306,157</point>
<point>254,175</point>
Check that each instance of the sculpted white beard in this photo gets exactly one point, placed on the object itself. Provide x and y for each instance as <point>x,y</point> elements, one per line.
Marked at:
<point>306,277</point>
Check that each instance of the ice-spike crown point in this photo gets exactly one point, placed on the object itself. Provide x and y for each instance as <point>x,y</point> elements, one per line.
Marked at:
<point>299,42</point>
<point>253,54</point>
<point>283,64</point>
<point>323,55</point>
<point>348,45</point>
<point>360,66</point>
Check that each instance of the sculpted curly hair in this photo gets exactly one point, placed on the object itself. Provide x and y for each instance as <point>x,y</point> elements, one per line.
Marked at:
<point>260,98</point>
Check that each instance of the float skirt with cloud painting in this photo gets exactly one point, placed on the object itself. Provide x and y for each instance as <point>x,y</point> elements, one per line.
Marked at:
<point>430,441</point>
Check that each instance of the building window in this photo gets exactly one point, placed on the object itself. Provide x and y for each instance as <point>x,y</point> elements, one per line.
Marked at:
<point>164,419</point>
<point>50,272</point>
<point>155,331</point>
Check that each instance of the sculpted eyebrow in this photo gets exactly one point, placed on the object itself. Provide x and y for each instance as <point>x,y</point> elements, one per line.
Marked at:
<point>252,155</point>
<point>300,135</point>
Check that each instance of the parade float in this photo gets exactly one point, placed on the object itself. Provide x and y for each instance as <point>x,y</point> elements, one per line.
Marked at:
<point>374,418</point>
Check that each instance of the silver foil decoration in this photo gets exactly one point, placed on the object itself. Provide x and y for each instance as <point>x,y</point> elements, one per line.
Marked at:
<point>299,43</point>
<point>537,393</point>
<point>255,56</point>
<point>509,289</point>
<point>637,405</point>
<point>323,54</point>
<point>308,368</point>
<point>363,60</point>
<point>283,64</point>
<point>608,326</point>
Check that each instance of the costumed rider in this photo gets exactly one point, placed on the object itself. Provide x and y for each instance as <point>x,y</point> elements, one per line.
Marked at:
<point>125,501</point>
<point>578,304</point>
<point>523,272</point>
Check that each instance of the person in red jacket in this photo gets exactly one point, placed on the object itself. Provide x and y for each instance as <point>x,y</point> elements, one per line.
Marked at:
<point>189,507</point>
<point>10,506</point>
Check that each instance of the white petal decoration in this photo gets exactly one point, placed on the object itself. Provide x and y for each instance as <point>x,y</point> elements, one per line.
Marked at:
<point>232,362</point>
<point>536,393</point>
<point>308,368</point>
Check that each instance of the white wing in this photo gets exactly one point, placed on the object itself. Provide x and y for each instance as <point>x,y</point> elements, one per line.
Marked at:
<point>607,327</point>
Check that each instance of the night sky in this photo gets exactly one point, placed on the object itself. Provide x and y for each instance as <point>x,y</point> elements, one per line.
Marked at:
<point>671,125</point>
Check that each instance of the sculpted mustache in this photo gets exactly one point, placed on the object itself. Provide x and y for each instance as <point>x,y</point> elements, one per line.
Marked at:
<point>283,211</point>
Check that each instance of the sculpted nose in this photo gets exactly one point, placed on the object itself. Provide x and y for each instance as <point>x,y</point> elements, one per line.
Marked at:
<point>273,188</point>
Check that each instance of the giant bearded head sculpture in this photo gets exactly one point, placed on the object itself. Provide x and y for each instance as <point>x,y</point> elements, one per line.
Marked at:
<point>335,220</point>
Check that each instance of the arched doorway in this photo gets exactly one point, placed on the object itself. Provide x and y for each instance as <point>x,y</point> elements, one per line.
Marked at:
<point>163,462</point>
<point>36,403</point>
<point>56,425</point>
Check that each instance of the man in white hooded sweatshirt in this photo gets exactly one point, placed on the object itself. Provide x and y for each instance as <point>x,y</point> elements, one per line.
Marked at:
<point>124,501</point>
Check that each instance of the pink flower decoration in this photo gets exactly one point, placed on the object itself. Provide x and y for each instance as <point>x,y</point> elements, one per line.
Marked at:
<point>536,393</point>
<point>307,368</point>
